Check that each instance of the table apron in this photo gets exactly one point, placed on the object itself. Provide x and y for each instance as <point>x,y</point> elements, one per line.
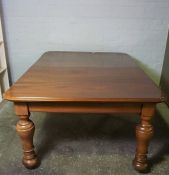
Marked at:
<point>83,107</point>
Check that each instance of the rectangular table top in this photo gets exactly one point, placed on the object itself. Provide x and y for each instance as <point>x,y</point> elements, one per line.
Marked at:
<point>84,77</point>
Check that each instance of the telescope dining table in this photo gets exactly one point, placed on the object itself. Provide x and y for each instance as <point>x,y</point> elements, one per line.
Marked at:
<point>85,82</point>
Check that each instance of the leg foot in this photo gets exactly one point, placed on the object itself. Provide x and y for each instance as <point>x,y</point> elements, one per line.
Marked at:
<point>30,163</point>
<point>140,166</point>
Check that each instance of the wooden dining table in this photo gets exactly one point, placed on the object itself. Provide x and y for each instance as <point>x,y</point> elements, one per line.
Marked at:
<point>85,82</point>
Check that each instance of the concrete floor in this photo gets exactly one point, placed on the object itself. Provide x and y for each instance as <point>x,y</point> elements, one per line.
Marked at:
<point>82,144</point>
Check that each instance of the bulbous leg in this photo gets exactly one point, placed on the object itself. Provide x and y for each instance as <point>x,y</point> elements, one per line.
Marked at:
<point>25,129</point>
<point>144,132</point>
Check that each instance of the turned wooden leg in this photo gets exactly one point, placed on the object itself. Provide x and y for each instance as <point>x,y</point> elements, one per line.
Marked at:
<point>144,132</point>
<point>25,129</point>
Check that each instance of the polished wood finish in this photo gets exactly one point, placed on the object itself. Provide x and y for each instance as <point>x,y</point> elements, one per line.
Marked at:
<point>72,76</point>
<point>144,132</point>
<point>25,128</point>
<point>79,107</point>
<point>85,82</point>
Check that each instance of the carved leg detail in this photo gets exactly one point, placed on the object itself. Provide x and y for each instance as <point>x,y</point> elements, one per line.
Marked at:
<point>144,132</point>
<point>25,129</point>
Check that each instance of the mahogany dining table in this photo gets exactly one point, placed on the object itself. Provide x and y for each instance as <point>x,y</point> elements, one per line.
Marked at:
<point>85,82</point>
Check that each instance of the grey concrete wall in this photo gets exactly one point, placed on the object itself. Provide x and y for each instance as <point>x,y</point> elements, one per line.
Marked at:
<point>137,27</point>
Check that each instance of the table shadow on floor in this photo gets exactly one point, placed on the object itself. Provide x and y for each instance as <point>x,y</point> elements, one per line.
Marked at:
<point>101,134</point>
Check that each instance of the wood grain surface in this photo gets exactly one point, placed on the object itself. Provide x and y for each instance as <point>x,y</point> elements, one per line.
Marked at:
<point>84,77</point>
